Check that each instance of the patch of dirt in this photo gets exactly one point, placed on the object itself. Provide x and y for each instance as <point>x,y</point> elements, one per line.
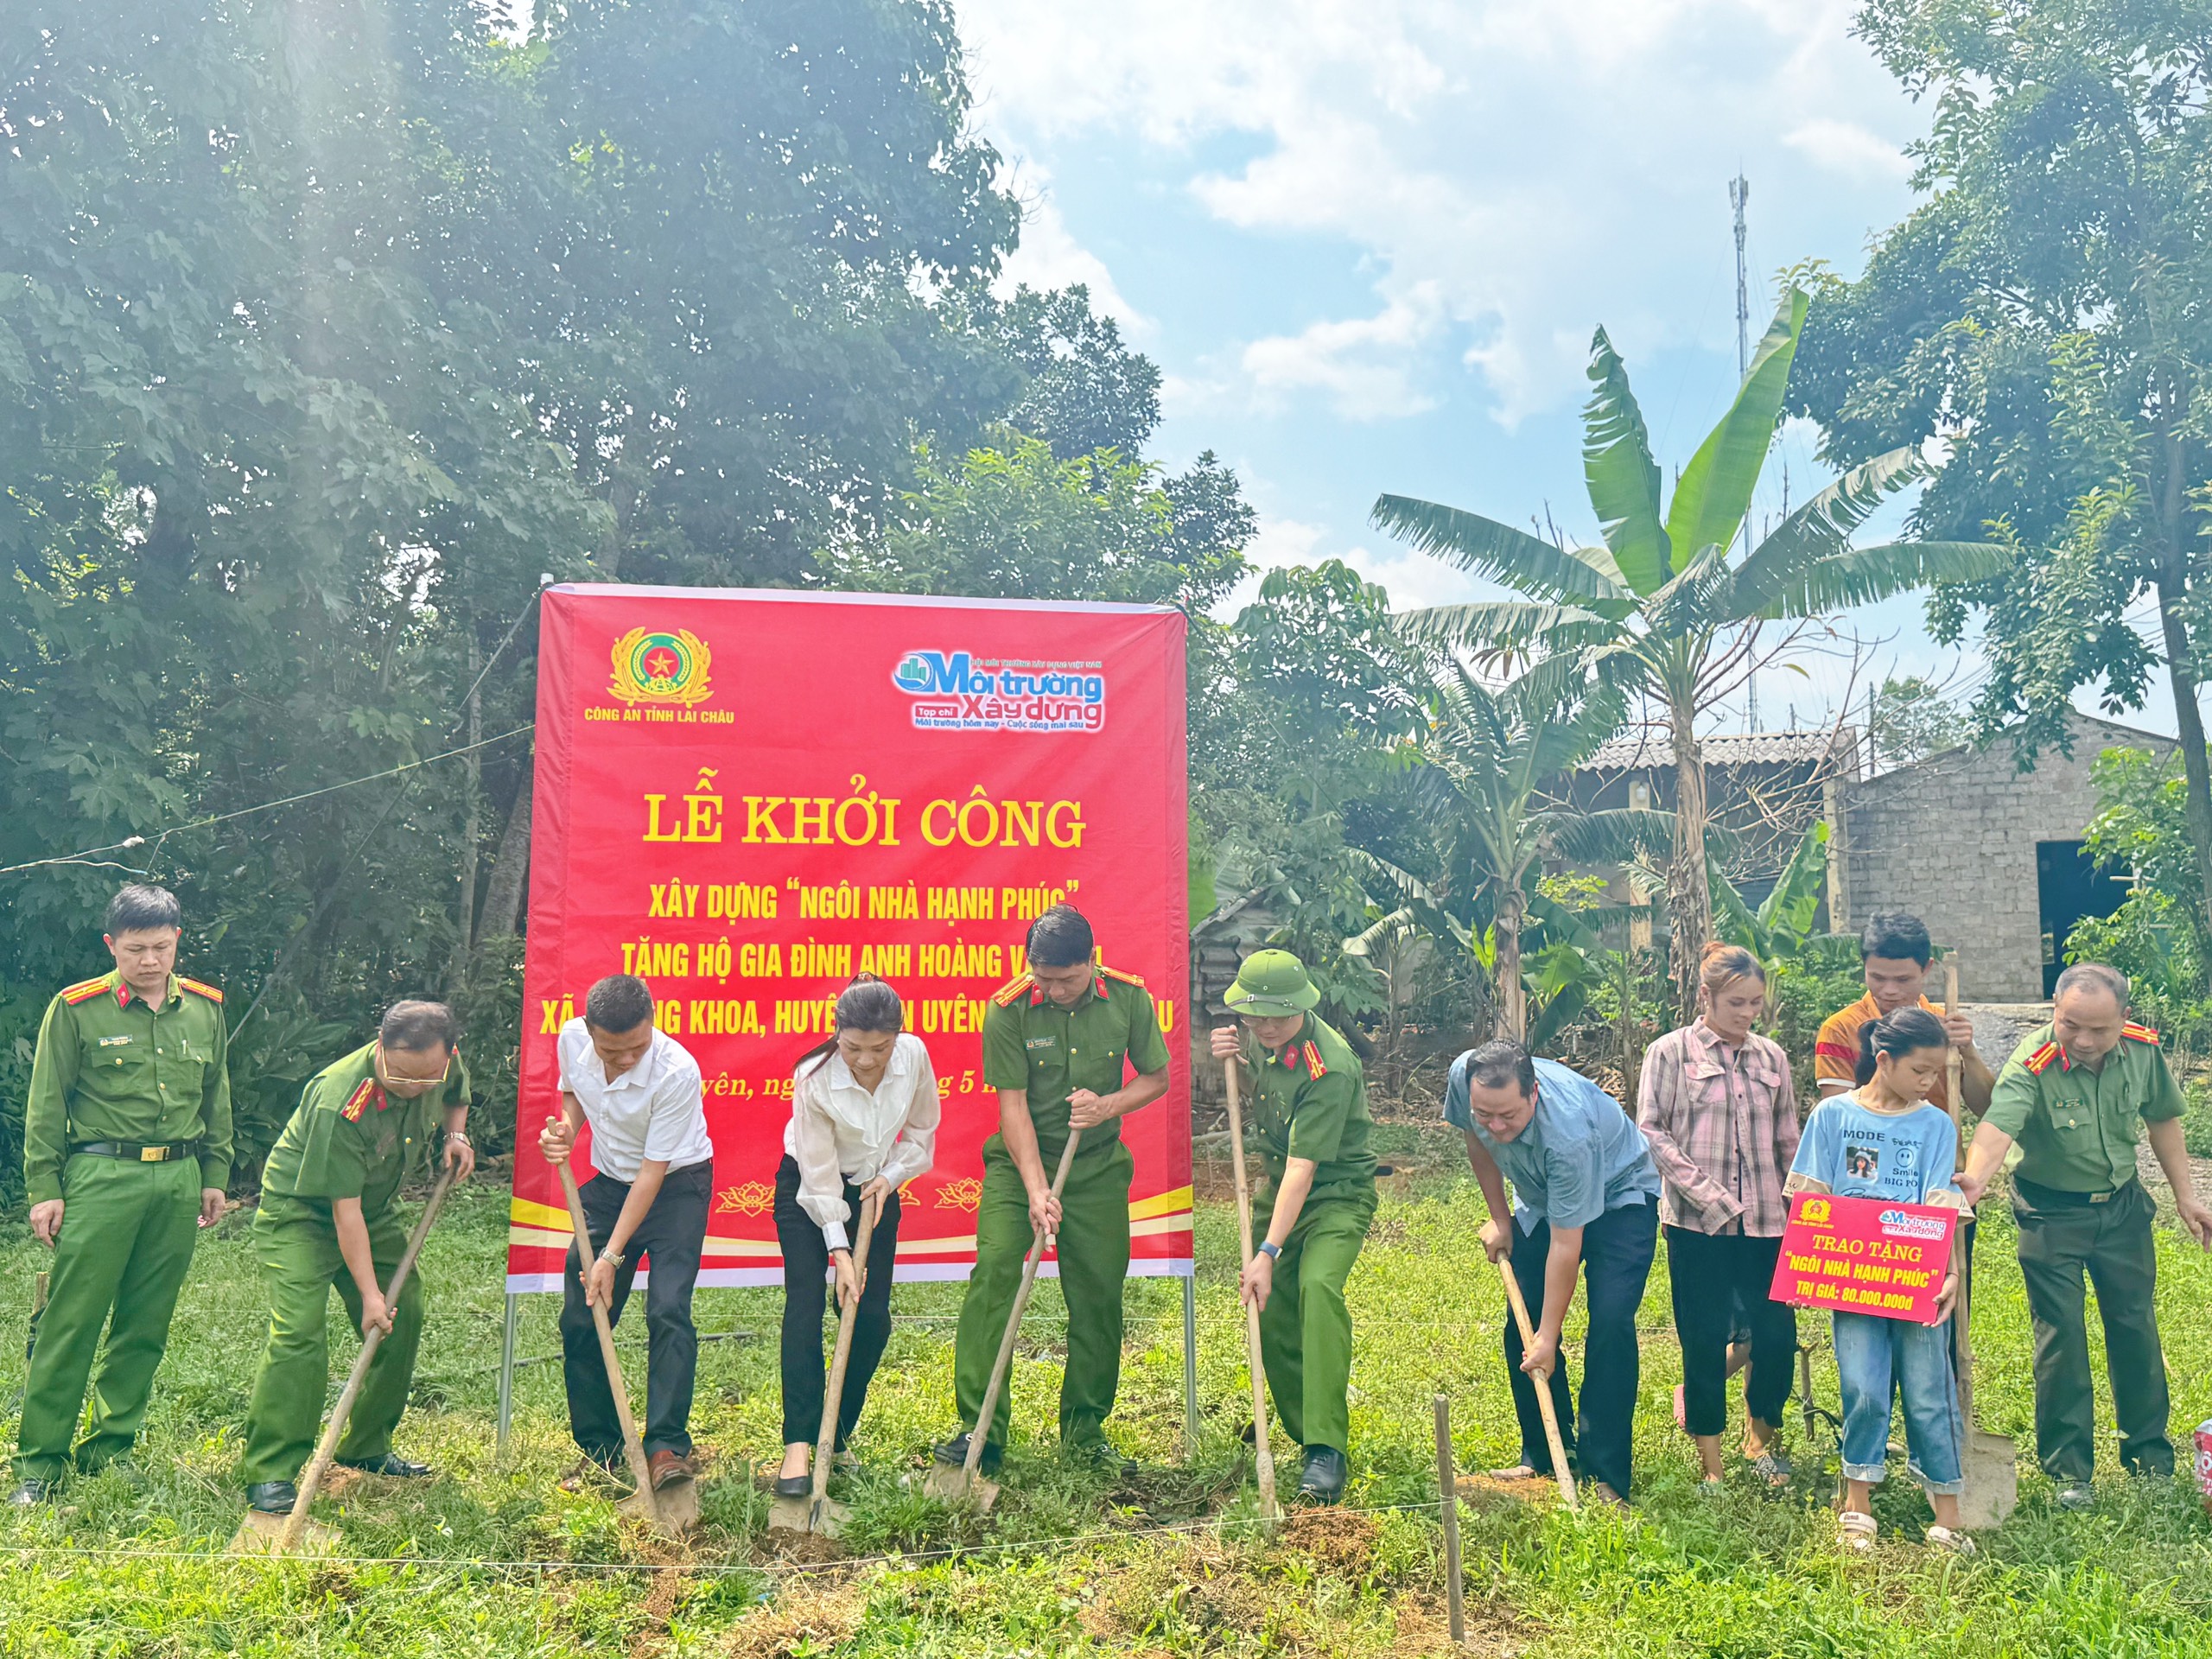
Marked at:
<point>1341,1542</point>
<point>1486,1494</point>
<point>806,1618</point>
<point>1495,1630</point>
<point>808,1548</point>
<point>1198,1589</point>
<point>337,1479</point>
<point>660,1605</point>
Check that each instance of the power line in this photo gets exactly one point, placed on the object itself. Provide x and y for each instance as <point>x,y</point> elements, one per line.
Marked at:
<point>266,806</point>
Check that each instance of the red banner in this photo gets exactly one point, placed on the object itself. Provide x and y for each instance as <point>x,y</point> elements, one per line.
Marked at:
<point>1865,1256</point>
<point>746,798</point>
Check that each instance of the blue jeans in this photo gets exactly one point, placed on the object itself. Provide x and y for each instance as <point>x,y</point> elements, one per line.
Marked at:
<point>1875,1358</point>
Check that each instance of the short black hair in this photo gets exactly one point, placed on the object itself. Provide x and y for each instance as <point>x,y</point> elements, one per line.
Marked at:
<point>138,905</point>
<point>1896,1036</point>
<point>618,1003</point>
<point>1895,936</point>
<point>418,1025</point>
<point>1501,1061</point>
<point>1060,938</point>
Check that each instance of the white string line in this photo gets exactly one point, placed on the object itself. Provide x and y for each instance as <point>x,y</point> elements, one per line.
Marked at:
<point>31,1555</point>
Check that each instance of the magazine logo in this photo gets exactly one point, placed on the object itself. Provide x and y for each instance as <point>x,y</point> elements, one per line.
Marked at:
<point>1898,1224</point>
<point>958,691</point>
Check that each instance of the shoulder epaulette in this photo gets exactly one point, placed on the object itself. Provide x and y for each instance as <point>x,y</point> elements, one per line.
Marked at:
<point>86,990</point>
<point>1007,995</point>
<point>1115,973</point>
<point>198,988</point>
<point>358,1101</point>
<point>2040,1060</point>
<point>2140,1033</point>
<point>1313,1066</point>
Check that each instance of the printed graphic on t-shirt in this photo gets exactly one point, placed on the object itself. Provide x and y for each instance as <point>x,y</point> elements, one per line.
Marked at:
<point>1864,1162</point>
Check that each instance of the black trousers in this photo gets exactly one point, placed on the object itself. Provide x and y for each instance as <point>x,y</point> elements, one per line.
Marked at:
<point>806,1297</point>
<point>1718,1279</point>
<point>673,1234</point>
<point>1616,1252</point>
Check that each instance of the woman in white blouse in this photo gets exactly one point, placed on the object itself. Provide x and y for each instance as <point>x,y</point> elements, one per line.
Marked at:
<point>864,1117</point>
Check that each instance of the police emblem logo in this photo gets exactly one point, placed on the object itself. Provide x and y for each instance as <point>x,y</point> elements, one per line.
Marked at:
<point>659,667</point>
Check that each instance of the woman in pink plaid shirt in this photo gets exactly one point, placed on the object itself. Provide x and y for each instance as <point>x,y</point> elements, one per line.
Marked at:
<point>1716,1104</point>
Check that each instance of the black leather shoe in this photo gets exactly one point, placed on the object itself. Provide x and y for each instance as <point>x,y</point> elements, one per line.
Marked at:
<point>793,1486</point>
<point>953,1454</point>
<point>1325,1477</point>
<point>30,1493</point>
<point>391,1464</point>
<point>273,1497</point>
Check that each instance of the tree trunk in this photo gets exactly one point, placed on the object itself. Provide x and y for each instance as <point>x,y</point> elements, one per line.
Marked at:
<point>502,912</point>
<point>2181,662</point>
<point>1512,995</point>
<point>1689,892</point>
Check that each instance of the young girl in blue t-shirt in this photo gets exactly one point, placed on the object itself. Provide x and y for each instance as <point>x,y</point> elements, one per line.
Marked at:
<point>1883,1140</point>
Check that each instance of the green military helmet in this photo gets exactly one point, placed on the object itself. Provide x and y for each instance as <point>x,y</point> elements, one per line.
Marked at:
<point>1271,984</point>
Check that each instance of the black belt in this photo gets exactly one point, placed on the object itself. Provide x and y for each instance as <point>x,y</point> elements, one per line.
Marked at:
<point>2054,1197</point>
<point>137,1152</point>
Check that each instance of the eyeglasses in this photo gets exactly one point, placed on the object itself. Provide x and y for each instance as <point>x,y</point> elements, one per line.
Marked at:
<point>402,1080</point>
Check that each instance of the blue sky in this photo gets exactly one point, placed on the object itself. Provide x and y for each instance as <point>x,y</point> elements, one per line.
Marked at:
<point>1367,242</point>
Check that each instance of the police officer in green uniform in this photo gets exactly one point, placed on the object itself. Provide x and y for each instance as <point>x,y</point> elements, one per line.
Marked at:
<point>2073,1096</point>
<point>126,1151</point>
<point>1054,1045</point>
<point>329,1216</point>
<point>1310,1114</point>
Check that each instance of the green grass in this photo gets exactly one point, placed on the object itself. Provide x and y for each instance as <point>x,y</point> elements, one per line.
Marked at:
<point>489,1560</point>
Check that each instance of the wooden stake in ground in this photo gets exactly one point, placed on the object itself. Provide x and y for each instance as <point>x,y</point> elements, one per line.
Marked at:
<point>1263,1454</point>
<point>1447,1484</point>
<point>953,1484</point>
<point>817,1513</point>
<point>643,1501</point>
<point>295,1522</point>
<point>1543,1386</point>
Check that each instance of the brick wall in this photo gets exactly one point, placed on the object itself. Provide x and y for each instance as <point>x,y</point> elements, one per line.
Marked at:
<point>1953,840</point>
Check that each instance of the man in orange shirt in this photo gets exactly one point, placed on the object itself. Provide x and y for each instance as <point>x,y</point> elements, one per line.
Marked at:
<point>1894,952</point>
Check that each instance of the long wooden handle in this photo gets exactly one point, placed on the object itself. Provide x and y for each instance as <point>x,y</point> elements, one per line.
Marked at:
<point>633,1450</point>
<point>1955,1085</point>
<point>296,1523</point>
<point>1543,1386</point>
<point>1263,1453</point>
<point>1014,1324</point>
<point>825,1447</point>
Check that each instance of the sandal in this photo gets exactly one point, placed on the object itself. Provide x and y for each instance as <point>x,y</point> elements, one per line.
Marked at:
<point>1855,1531</point>
<point>1773,1468</point>
<point>1956,1540</point>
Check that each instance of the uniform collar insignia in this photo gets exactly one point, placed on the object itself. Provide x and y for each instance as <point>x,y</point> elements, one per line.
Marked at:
<point>1098,984</point>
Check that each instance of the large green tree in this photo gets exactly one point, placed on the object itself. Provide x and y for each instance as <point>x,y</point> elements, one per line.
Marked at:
<point>1652,608</point>
<point>2047,314</point>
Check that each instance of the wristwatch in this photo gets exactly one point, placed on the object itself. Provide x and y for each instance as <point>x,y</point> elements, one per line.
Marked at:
<point>613,1257</point>
<point>1270,1248</point>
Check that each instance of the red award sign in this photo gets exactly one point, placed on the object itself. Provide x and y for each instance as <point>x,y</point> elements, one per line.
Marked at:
<point>1865,1256</point>
<point>746,799</point>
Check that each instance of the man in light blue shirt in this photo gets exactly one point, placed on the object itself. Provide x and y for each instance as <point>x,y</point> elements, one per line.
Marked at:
<point>1586,1195</point>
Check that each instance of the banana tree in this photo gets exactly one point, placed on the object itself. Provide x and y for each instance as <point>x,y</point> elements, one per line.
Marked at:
<point>1652,609</point>
<point>1476,783</point>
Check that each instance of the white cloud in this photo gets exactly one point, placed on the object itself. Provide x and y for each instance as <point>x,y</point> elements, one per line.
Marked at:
<point>1846,147</point>
<point>1049,257</point>
<point>1508,172</point>
<point>1412,579</point>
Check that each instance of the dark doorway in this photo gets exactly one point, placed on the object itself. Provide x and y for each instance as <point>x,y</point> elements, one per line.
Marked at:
<point>2068,887</point>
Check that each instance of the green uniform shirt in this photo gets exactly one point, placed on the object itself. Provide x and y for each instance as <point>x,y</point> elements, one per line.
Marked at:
<point>2077,1128</point>
<point>1312,1102</point>
<point>348,1138</point>
<point>112,1067</point>
<point>1032,1043</point>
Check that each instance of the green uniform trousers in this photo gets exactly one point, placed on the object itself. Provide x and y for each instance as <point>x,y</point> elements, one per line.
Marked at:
<point>127,1232</point>
<point>1093,1247</point>
<point>1305,1328</point>
<point>2112,1243</point>
<point>297,1246</point>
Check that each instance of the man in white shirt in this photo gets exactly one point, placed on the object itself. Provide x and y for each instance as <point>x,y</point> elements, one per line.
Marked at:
<point>639,1091</point>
